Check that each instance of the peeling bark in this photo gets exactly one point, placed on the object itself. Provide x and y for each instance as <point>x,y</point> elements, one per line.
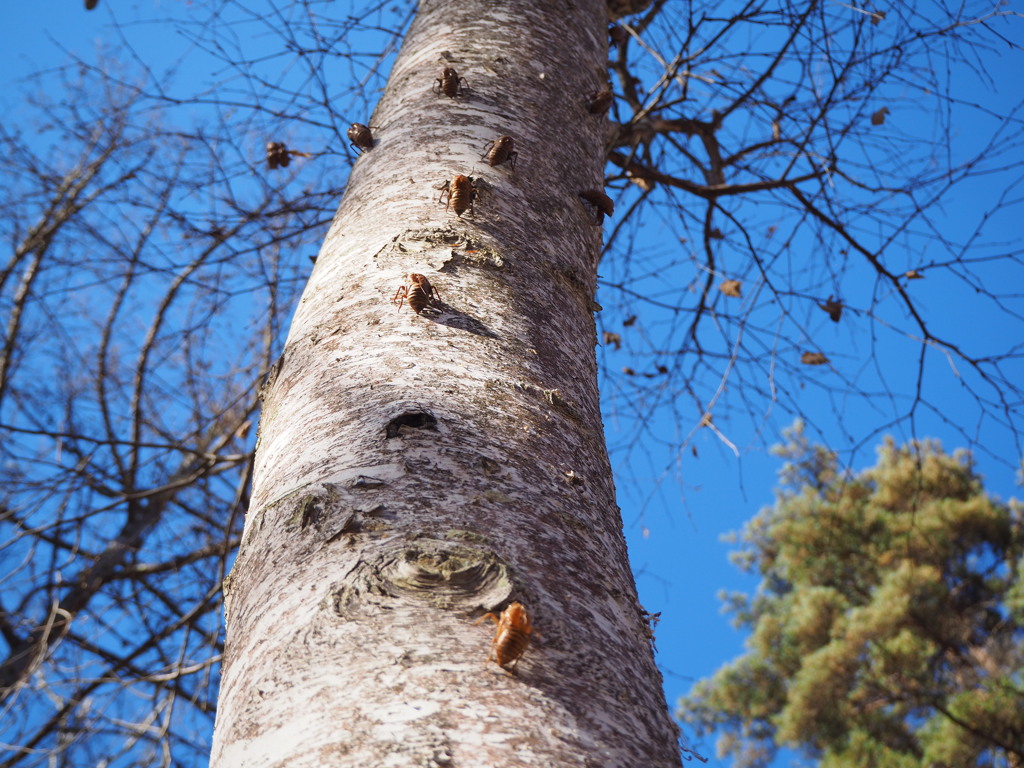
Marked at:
<point>414,471</point>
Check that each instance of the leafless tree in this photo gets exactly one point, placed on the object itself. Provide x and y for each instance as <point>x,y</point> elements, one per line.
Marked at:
<point>776,149</point>
<point>143,295</point>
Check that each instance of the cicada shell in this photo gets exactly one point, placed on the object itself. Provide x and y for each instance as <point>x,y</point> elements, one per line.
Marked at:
<point>360,136</point>
<point>511,637</point>
<point>600,101</point>
<point>601,202</point>
<point>460,193</point>
<point>501,150</point>
<point>449,83</point>
<point>420,294</point>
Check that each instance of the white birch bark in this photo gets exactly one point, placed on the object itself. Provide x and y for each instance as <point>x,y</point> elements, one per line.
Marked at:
<point>413,472</point>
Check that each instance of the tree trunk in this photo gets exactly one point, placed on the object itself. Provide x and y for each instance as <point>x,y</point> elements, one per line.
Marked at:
<point>415,471</point>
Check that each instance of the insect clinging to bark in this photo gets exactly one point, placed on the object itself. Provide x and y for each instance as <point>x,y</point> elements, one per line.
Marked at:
<point>601,202</point>
<point>461,192</point>
<point>420,294</point>
<point>502,149</point>
<point>600,101</point>
<point>511,637</point>
<point>449,83</point>
<point>360,136</point>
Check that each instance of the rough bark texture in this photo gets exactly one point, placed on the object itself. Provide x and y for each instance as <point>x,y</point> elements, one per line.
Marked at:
<point>414,472</point>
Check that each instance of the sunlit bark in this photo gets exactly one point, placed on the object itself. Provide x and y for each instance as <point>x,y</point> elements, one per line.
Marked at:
<point>415,471</point>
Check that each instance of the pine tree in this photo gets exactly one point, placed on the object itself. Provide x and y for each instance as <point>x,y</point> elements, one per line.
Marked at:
<point>887,630</point>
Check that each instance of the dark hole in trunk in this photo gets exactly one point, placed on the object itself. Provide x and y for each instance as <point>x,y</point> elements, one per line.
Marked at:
<point>415,420</point>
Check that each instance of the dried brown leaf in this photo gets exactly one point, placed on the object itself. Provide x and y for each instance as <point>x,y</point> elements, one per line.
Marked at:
<point>834,307</point>
<point>731,288</point>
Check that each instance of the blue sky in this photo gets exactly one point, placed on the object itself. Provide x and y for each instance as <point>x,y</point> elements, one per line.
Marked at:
<point>676,511</point>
